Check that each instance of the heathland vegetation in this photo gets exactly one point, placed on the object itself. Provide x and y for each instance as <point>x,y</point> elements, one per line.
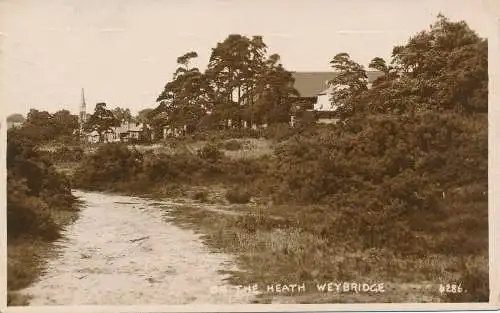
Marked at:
<point>400,181</point>
<point>395,192</point>
<point>39,204</point>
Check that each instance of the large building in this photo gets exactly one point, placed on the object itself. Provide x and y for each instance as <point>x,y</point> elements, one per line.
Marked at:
<point>315,91</point>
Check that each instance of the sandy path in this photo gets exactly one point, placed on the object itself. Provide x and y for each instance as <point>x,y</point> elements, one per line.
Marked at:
<point>121,251</point>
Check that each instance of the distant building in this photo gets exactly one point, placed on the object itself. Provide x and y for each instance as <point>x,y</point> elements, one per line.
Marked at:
<point>11,124</point>
<point>315,93</point>
<point>126,132</point>
<point>15,120</point>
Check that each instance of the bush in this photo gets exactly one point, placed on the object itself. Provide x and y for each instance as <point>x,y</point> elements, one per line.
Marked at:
<point>35,190</point>
<point>447,148</point>
<point>238,195</point>
<point>113,162</point>
<point>211,153</point>
<point>239,133</point>
<point>232,145</point>
<point>232,133</point>
<point>390,171</point>
<point>116,167</point>
<point>66,154</point>
<point>28,216</point>
<point>280,132</point>
<point>201,196</point>
<point>259,221</point>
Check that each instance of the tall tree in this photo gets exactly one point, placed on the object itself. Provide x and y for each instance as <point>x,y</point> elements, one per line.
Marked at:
<point>235,66</point>
<point>65,124</point>
<point>446,67</point>
<point>123,115</point>
<point>39,126</point>
<point>348,86</point>
<point>101,121</point>
<point>144,116</point>
<point>185,59</point>
<point>275,93</point>
<point>185,99</point>
<point>380,65</point>
<point>387,89</point>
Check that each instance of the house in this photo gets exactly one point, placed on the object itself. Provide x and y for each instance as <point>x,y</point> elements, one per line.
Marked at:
<point>173,132</point>
<point>12,124</point>
<point>93,137</point>
<point>126,132</point>
<point>315,92</point>
<point>15,120</point>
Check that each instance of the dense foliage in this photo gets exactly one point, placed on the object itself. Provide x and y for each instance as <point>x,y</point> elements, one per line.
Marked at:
<point>409,153</point>
<point>64,154</point>
<point>102,120</point>
<point>240,85</point>
<point>443,68</point>
<point>405,169</point>
<point>395,170</point>
<point>112,163</point>
<point>43,127</point>
<point>116,167</point>
<point>34,190</point>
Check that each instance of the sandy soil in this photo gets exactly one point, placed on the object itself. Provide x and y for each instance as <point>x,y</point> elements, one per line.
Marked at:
<point>123,251</point>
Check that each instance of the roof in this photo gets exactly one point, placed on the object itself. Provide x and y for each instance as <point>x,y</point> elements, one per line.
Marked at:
<point>310,84</point>
<point>330,89</point>
<point>126,127</point>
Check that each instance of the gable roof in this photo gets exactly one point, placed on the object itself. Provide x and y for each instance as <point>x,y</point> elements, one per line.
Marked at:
<point>126,127</point>
<point>310,84</point>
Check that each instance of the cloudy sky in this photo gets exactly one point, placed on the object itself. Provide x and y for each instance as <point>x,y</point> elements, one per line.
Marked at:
<point>124,51</point>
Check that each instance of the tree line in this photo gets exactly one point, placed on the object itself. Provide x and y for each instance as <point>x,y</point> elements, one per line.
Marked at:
<point>438,69</point>
<point>241,83</point>
<point>443,68</point>
<point>64,127</point>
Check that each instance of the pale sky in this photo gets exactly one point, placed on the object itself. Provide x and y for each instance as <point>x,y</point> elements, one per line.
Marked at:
<point>124,51</point>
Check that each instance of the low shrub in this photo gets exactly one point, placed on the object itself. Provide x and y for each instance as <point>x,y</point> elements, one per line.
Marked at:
<point>227,134</point>
<point>28,216</point>
<point>35,190</point>
<point>210,152</point>
<point>280,132</point>
<point>389,172</point>
<point>201,195</point>
<point>39,203</point>
<point>66,154</point>
<point>238,195</point>
<point>112,162</point>
<point>232,145</point>
<point>240,133</point>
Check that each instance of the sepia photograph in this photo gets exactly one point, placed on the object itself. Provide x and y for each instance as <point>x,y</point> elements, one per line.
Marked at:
<point>227,152</point>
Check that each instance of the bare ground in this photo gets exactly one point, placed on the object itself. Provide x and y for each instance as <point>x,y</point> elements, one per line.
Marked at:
<point>122,251</point>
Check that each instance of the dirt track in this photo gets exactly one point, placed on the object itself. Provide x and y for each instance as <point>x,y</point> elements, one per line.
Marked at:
<point>122,251</point>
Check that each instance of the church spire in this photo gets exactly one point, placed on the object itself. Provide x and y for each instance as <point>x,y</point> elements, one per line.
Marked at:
<point>83,110</point>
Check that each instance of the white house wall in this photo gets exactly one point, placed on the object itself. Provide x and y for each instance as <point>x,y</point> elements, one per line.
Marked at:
<point>323,103</point>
